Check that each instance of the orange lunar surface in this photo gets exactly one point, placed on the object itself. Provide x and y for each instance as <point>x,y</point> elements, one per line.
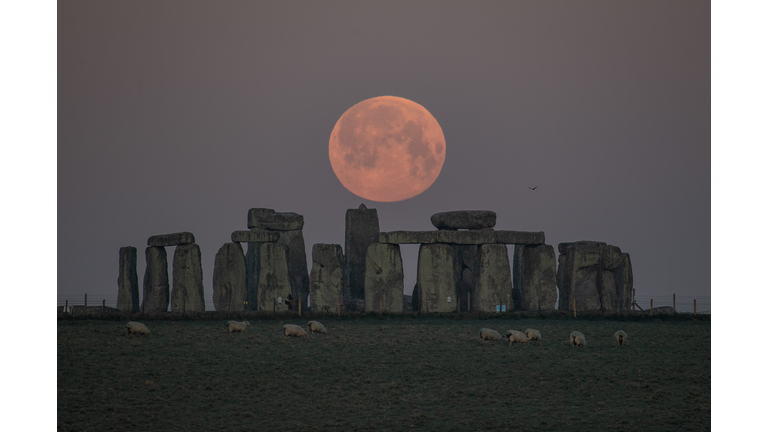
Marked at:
<point>387,149</point>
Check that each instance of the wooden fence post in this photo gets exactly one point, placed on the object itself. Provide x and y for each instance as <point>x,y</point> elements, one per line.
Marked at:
<point>103,308</point>
<point>694,306</point>
<point>674,304</point>
<point>574,308</point>
<point>633,299</point>
<point>66,308</point>
<point>299,305</point>
<point>86,304</point>
<point>651,307</point>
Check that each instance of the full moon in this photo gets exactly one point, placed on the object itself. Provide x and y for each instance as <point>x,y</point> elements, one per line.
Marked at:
<point>387,149</point>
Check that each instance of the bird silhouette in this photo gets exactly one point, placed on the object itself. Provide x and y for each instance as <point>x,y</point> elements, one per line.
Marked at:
<point>533,188</point>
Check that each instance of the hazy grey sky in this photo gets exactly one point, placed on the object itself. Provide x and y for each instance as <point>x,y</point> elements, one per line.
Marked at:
<point>181,115</point>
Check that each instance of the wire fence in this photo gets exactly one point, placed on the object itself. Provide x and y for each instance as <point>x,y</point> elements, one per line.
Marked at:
<point>680,303</point>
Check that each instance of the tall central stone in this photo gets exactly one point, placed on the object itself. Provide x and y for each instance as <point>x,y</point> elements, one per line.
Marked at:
<point>436,285</point>
<point>361,230</point>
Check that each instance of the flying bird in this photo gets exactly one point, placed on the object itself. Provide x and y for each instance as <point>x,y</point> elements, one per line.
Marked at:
<point>533,188</point>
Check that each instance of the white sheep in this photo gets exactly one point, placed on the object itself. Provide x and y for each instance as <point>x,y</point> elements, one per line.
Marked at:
<point>486,334</point>
<point>533,335</point>
<point>138,328</point>
<point>514,336</point>
<point>578,339</point>
<point>237,326</point>
<point>294,330</point>
<point>620,337</point>
<point>316,327</point>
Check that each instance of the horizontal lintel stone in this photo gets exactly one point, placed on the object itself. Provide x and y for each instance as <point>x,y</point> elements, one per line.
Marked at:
<point>520,237</point>
<point>255,236</point>
<point>263,218</point>
<point>469,237</point>
<point>174,239</point>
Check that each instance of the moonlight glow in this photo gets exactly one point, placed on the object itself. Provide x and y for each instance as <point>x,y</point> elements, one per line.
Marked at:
<point>387,149</point>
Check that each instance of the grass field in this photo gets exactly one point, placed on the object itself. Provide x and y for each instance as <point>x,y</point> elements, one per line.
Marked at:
<point>389,373</point>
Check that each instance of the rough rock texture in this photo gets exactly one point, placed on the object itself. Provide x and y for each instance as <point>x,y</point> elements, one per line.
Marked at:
<point>255,236</point>
<point>156,288</point>
<point>597,275</point>
<point>293,240</point>
<point>268,219</point>
<point>326,281</point>
<point>408,237</point>
<point>187,294</point>
<point>465,268</point>
<point>435,278</point>
<point>466,219</point>
<point>520,237</point>
<point>494,281</point>
<point>383,278</point>
<point>535,281</point>
<point>415,298</point>
<point>274,281</point>
<point>361,229</point>
<point>472,237</point>
<point>407,303</point>
<point>128,281</point>
<point>174,239</point>
<point>229,289</point>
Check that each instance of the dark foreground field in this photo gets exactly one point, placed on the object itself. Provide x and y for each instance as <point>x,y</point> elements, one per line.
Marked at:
<point>383,374</point>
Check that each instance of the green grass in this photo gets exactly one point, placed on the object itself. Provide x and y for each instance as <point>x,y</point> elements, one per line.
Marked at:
<point>387,373</point>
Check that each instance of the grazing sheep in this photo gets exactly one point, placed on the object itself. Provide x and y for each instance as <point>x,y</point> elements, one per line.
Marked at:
<point>516,336</point>
<point>533,335</point>
<point>237,326</point>
<point>138,328</point>
<point>486,334</point>
<point>316,327</point>
<point>294,330</point>
<point>620,337</point>
<point>578,339</point>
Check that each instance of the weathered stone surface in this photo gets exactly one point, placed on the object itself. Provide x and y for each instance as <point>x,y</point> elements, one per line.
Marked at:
<point>519,237</point>
<point>326,281</point>
<point>465,219</point>
<point>187,293</point>
<point>494,281</point>
<point>596,274</point>
<point>472,237</point>
<point>465,268</point>
<point>407,303</point>
<point>274,282</point>
<point>361,229</point>
<point>535,281</point>
<point>258,236</point>
<point>293,242</point>
<point>435,278</point>
<point>128,281</point>
<point>229,289</point>
<point>268,219</point>
<point>383,278</point>
<point>156,288</point>
<point>174,239</point>
<point>415,298</point>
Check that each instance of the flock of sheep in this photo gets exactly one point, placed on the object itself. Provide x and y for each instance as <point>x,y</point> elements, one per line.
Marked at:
<point>531,335</point>
<point>513,336</point>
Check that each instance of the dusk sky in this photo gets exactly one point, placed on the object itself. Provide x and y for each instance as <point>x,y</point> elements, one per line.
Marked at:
<point>181,115</point>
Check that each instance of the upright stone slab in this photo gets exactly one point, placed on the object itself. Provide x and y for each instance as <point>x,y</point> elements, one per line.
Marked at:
<point>535,281</point>
<point>293,240</point>
<point>156,287</point>
<point>128,281</point>
<point>187,294</point>
<point>435,278</point>
<point>384,278</point>
<point>274,282</point>
<point>624,283</point>
<point>361,229</point>
<point>580,275</point>
<point>229,288</point>
<point>465,267</point>
<point>326,280</point>
<point>494,284</point>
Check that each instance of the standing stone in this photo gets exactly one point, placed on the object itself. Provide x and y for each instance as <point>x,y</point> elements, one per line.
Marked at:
<point>384,278</point>
<point>156,285</point>
<point>624,283</point>
<point>252,276</point>
<point>535,281</point>
<point>274,283</point>
<point>229,289</point>
<point>293,240</point>
<point>494,284</point>
<point>465,266</point>
<point>128,281</point>
<point>326,281</point>
<point>435,278</point>
<point>580,274</point>
<point>361,229</point>
<point>187,294</point>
